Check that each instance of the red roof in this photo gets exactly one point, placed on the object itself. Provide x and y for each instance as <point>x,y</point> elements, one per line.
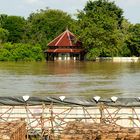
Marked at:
<point>64,50</point>
<point>65,39</point>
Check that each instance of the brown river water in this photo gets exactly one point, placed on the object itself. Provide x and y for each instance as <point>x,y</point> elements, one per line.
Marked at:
<point>104,79</point>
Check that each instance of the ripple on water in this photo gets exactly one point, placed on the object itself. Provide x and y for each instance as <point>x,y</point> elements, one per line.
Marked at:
<point>71,79</point>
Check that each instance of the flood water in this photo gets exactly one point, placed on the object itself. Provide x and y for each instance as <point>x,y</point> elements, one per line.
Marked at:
<point>70,78</point>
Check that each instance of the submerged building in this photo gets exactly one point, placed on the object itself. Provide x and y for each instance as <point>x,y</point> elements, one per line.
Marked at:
<point>65,47</point>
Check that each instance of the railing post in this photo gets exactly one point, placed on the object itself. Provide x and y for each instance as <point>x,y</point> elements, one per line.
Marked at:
<point>101,109</point>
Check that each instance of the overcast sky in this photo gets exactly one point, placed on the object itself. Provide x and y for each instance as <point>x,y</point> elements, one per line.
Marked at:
<point>25,7</point>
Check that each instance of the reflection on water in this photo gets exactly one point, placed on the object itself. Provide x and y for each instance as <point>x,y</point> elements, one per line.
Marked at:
<point>70,78</point>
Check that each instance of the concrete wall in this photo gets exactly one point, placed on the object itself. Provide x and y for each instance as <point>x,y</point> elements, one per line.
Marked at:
<point>119,59</point>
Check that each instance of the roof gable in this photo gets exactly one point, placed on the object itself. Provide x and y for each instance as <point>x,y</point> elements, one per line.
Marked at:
<point>65,39</point>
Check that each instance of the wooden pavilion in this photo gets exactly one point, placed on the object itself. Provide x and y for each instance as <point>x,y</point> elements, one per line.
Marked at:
<point>65,47</point>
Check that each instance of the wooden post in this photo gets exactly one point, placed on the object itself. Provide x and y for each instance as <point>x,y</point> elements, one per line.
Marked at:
<point>52,120</point>
<point>101,109</point>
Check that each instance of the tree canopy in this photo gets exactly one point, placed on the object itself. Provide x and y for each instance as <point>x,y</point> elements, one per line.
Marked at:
<point>44,25</point>
<point>15,26</point>
<point>100,26</point>
<point>133,42</point>
<point>20,52</point>
<point>3,35</point>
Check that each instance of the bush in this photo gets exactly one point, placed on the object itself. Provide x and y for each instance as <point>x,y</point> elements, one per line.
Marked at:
<point>4,55</point>
<point>21,52</point>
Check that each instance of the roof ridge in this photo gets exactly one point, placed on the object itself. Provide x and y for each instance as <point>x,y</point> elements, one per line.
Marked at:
<point>65,38</point>
<point>69,38</point>
<point>60,38</point>
<point>55,38</point>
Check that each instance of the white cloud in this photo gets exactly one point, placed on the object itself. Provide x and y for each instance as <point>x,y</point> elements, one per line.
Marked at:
<point>127,2</point>
<point>131,8</point>
<point>31,1</point>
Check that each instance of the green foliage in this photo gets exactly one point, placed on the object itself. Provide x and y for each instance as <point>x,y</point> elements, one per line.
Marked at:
<point>21,52</point>
<point>125,27</point>
<point>44,25</point>
<point>4,55</point>
<point>15,26</point>
<point>100,28</point>
<point>2,20</point>
<point>3,35</point>
<point>133,42</point>
<point>93,53</point>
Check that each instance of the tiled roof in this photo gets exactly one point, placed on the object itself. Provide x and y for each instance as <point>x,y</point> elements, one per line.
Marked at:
<point>65,50</point>
<point>65,39</point>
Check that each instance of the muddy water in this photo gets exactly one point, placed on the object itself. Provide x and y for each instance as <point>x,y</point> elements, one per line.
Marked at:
<point>70,78</point>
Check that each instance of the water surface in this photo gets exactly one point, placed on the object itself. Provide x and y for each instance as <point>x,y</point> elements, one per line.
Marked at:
<point>70,78</point>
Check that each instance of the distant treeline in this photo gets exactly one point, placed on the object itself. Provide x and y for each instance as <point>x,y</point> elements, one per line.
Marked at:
<point>100,26</point>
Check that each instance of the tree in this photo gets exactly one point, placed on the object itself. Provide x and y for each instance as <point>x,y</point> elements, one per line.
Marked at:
<point>15,26</point>
<point>99,25</point>
<point>3,35</point>
<point>125,27</point>
<point>44,25</point>
<point>133,42</point>
<point>2,19</point>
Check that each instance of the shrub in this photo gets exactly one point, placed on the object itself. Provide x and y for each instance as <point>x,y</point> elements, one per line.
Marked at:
<point>21,52</point>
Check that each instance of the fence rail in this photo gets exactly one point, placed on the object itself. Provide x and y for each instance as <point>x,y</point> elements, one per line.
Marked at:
<point>49,117</point>
<point>46,120</point>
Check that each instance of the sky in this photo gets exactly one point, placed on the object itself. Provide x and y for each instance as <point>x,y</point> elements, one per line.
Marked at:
<point>131,8</point>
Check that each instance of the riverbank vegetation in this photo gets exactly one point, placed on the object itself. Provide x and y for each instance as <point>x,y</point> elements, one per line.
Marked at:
<point>100,26</point>
<point>20,52</point>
